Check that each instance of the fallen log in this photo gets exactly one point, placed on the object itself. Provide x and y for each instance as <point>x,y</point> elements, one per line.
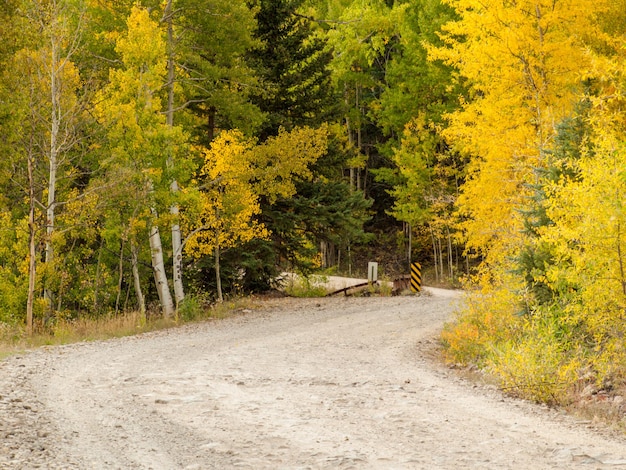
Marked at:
<point>346,289</point>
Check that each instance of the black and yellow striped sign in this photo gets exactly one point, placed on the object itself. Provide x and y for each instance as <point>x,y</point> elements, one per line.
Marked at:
<point>416,277</point>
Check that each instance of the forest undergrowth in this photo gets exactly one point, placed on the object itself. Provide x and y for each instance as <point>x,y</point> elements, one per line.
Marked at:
<point>534,359</point>
<point>14,338</point>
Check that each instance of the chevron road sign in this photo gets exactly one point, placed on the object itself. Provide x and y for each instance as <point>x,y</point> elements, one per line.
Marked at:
<point>416,277</point>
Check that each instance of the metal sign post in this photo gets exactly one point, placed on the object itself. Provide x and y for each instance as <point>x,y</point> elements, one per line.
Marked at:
<point>372,272</point>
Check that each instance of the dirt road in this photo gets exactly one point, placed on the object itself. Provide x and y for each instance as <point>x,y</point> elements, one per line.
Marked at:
<point>321,383</point>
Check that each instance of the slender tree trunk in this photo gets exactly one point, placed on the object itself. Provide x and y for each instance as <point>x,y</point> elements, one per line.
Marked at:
<point>177,252</point>
<point>440,249</point>
<point>97,282</point>
<point>328,251</point>
<point>349,260</point>
<point>120,277</point>
<point>432,238</point>
<point>134,253</point>
<point>160,276</point>
<point>32,232</point>
<point>218,276</point>
<point>450,254</point>
<point>352,179</point>
<point>409,237</point>
<point>361,175</point>
<point>53,159</point>
<point>126,297</point>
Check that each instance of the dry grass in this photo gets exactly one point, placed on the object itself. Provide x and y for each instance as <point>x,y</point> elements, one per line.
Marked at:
<point>601,408</point>
<point>14,339</point>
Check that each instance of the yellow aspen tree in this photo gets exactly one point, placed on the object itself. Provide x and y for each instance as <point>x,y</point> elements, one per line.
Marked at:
<point>228,204</point>
<point>575,137</point>
<point>140,138</point>
<point>48,109</point>
<point>283,158</point>
<point>588,210</point>
<point>177,248</point>
<point>524,63</point>
<point>236,174</point>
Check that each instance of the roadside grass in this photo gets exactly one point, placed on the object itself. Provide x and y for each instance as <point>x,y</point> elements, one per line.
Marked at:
<point>541,361</point>
<point>602,409</point>
<point>14,339</point>
<point>306,286</point>
<point>596,409</point>
<point>63,330</point>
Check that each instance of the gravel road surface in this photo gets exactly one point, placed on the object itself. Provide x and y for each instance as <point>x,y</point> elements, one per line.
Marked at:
<point>330,383</point>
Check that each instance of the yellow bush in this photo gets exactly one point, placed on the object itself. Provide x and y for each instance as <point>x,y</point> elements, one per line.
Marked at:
<point>609,363</point>
<point>487,318</point>
<point>535,368</point>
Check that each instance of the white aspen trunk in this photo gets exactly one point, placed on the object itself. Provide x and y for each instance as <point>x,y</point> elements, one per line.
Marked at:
<point>407,233</point>
<point>177,252</point>
<point>136,280</point>
<point>177,255</point>
<point>53,158</point>
<point>160,276</point>
<point>352,179</point>
<point>32,266</point>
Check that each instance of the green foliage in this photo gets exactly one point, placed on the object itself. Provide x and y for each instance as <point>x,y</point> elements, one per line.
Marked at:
<point>319,211</point>
<point>456,117</point>
<point>214,81</point>
<point>13,268</point>
<point>415,86</point>
<point>192,308</point>
<point>292,64</point>
<point>306,286</point>
<point>537,257</point>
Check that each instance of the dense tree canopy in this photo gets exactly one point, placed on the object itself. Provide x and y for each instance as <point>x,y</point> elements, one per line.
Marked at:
<point>157,150</point>
<point>542,203</point>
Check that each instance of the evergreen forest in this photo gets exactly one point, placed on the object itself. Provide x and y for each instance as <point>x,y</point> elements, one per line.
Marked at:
<point>157,153</point>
